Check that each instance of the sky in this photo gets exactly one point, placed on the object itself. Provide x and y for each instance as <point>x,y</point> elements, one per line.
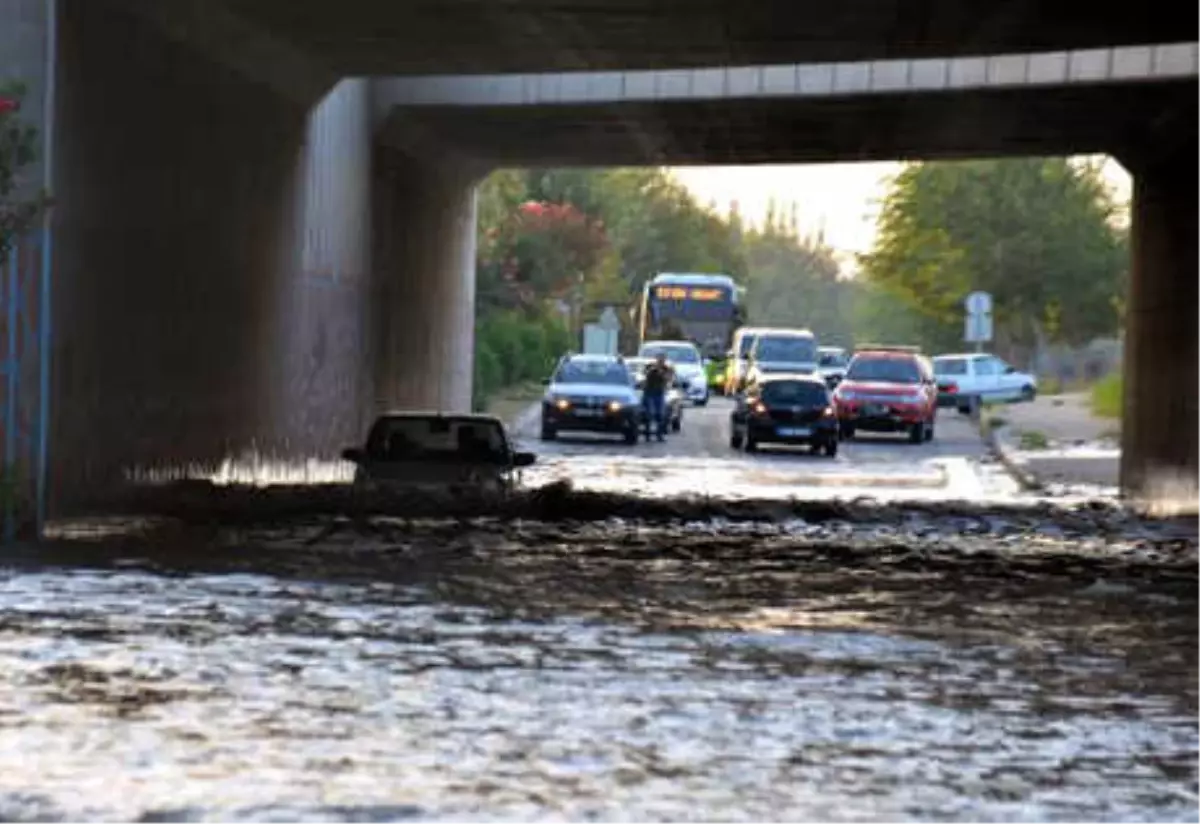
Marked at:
<point>842,199</point>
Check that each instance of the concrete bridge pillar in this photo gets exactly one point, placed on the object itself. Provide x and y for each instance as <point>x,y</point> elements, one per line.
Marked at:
<point>424,289</point>
<point>1159,430</point>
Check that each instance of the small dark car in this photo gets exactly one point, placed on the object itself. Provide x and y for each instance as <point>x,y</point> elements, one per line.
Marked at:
<point>425,449</point>
<point>788,410</point>
<point>591,393</point>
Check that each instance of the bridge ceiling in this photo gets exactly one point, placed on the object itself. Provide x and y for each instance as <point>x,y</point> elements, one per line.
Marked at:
<point>1081,120</point>
<point>359,37</point>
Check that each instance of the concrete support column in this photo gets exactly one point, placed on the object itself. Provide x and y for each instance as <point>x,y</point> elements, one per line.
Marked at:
<point>425,284</point>
<point>322,316</point>
<point>1159,430</point>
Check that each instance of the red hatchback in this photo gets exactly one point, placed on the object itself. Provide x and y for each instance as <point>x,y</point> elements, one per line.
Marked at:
<point>887,390</point>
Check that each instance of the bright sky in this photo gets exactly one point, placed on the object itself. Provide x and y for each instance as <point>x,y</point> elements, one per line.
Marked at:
<point>842,199</point>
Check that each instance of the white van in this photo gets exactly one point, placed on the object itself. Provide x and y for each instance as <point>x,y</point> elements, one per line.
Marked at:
<point>739,357</point>
<point>782,350</point>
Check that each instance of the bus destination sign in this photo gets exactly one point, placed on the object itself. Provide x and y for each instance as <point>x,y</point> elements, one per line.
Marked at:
<point>705,293</point>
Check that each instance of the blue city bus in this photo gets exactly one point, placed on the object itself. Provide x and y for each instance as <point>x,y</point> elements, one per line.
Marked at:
<point>705,309</point>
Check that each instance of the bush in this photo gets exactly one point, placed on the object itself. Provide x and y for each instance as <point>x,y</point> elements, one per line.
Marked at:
<point>512,349</point>
<point>1108,396</point>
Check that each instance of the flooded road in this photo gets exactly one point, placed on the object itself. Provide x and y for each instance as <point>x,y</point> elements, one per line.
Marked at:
<point>609,671</point>
<point>766,637</point>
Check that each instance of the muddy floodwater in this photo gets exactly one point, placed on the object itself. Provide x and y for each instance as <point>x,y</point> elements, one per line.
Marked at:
<point>604,671</point>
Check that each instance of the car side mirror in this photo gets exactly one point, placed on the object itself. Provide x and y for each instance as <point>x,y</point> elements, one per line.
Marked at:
<point>1010,370</point>
<point>354,454</point>
<point>524,459</point>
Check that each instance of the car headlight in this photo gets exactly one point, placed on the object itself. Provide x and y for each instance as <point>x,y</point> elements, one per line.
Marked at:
<point>615,406</point>
<point>560,403</point>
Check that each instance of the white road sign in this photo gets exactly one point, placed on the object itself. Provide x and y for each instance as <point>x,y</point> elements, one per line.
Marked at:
<point>978,328</point>
<point>979,303</point>
<point>979,318</point>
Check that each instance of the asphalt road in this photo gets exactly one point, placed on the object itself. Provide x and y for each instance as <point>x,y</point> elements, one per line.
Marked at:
<point>699,460</point>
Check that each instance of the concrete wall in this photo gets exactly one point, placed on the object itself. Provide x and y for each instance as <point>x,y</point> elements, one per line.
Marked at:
<point>206,259</point>
<point>322,320</point>
<point>424,299</point>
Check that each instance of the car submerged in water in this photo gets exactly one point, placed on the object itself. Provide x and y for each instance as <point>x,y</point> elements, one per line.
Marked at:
<point>438,452</point>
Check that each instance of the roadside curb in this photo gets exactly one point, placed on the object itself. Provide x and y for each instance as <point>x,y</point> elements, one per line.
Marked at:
<point>1001,452</point>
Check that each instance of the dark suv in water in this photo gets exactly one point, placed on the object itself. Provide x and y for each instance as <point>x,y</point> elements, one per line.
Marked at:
<point>591,393</point>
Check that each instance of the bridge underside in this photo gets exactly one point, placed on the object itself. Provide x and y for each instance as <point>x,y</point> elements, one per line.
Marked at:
<point>366,37</point>
<point>945,125</point>
<point>238,268</point>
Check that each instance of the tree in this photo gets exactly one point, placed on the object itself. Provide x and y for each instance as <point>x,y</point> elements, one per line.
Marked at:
<point>795,281</point>
<point>16,152</point>
<point>1039,234</point>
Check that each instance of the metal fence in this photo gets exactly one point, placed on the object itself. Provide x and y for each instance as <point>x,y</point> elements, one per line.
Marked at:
<point>24,385</point>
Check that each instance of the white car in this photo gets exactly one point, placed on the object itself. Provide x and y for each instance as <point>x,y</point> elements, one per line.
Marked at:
<point>684,357</point>
<point>832,362</point>
<point>782,350</point>
<point>979,377</point>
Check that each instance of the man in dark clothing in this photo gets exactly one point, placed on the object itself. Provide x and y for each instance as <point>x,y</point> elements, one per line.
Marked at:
<point>658,377</point>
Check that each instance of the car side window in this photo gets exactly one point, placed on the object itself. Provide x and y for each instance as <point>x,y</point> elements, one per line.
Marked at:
<point>985,367</point>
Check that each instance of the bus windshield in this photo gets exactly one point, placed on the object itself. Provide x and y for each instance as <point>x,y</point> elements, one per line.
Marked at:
<point>704,309</point>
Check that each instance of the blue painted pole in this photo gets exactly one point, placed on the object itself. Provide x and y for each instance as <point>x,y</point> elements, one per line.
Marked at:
<point>10,406</point>
<point>45,315</point>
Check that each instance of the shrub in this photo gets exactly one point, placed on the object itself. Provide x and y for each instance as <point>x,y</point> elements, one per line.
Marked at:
<point>1108,396</point>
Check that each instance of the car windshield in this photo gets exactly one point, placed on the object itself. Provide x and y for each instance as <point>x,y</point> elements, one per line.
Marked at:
<point>795,393</point>
<point>678,354</point>
<point>884,370</point>
<point>832,359</point>
<point>433,438</point>
<point>789,349</point>
<point>949,366</point>
<point>592,371</point>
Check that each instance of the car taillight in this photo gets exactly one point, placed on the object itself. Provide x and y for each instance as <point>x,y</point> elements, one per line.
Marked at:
<point>949,387</point>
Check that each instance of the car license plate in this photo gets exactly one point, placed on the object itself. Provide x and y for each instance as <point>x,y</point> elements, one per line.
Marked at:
<point>794,431</point>
<point>589,413</point>
<point>875,409</point>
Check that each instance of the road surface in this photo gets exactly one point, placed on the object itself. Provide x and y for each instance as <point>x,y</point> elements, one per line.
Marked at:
<point>699,460</point>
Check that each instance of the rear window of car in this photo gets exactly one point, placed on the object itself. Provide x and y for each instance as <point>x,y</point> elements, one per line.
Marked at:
<point>949,366</point>
<point>433,438</point>
<point>884,370</point>
<point>795,393</point>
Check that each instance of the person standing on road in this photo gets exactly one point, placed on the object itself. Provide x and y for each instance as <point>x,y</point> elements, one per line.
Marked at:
<point>654,394</point>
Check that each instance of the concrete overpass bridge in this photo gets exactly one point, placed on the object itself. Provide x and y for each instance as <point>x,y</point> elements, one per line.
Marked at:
<point>264,220</point>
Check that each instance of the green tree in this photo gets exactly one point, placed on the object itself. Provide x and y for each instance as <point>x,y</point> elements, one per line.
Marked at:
<point>16,153</point>
<point>1039,234</point>
<point>795,281</point>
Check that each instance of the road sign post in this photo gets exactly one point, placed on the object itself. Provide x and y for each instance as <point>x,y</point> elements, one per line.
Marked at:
<point>978,321</point>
